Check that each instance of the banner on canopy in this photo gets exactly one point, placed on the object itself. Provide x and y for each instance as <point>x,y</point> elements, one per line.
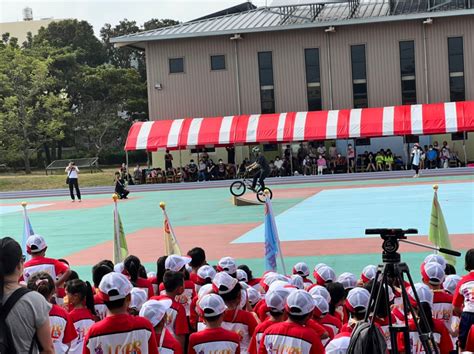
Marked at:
<point>421,119</point>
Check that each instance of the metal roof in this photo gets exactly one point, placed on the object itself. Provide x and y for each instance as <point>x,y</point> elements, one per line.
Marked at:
<point>325,13</point>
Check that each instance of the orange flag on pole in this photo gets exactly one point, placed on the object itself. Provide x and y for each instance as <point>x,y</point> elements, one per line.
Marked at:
<point>171,243</point>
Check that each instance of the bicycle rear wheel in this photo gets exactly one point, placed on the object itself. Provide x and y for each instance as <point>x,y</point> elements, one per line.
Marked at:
<point>237,188</point>
<point>261,195</point>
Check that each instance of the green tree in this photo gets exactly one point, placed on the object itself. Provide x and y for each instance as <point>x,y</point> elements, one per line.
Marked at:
<point>108,99</point>
<point>76,35</point>
<point>30,113</point>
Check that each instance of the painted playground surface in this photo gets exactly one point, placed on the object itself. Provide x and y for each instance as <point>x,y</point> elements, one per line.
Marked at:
<point>317,222</point>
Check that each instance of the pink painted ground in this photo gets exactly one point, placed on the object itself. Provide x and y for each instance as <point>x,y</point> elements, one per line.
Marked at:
<point>68,205</point>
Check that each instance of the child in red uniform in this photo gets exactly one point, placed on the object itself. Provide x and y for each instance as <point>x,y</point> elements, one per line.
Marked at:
<point>62,328</point>
<point>235,319</point>
<point>463,300</point>
<point>204,276</point>
<point>119,331</point>
<point>356,304</point>
<point>292,336</point>
<point>176,322</point>
<point>98,272</point>
<point>132,266</point>
<point>177,263</point>
<point>198,259</point>
<point>36,246</point>
<point>321,310</point>
<point>276,302</point>
<point>433,275</point>
<point>214,338</point>
<point>155,312</point>
<point>437,327</point>
<point>302,270</point>
<point>83,315</point>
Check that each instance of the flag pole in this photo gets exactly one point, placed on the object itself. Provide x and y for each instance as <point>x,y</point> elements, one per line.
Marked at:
<point>175,245</point>
<point>435,188</point>
<point>25,227</point>
<point>116,253</point>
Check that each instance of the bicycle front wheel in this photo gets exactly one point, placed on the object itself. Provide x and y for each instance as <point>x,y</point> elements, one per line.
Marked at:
<point>261,195</point>
<point>238,188</point>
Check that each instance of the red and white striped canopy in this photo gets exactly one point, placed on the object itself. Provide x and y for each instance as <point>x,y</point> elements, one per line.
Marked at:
<point>420,119</point>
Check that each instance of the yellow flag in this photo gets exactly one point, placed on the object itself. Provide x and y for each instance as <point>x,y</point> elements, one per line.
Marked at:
<point>171,243</point>
<point>120,243</point>
<point>438,233</point>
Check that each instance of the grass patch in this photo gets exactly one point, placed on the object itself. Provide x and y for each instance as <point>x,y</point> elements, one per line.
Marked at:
<point>38,180</point>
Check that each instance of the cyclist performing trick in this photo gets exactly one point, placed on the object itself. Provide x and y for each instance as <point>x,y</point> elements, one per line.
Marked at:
<point>262,164</point>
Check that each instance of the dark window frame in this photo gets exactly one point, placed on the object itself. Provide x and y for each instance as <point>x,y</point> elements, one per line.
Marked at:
<point>407,73</point>
<point>176,72</point>
<point>456,77</point>
<point>313,87</point>
<point>215,56</point>
<point>358,81</point>
<point>267,87</point>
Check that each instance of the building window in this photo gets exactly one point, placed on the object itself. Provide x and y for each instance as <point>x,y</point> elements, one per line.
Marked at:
<point>217,62</point>
<point>456,69</point>
<point>407,71</point>
<point>176,65</point>
<point>313,79</point>
<point>359,76</point>
<point>265,71</point>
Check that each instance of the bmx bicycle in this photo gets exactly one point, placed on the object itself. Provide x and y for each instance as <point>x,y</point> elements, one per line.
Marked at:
<point>238,188</point>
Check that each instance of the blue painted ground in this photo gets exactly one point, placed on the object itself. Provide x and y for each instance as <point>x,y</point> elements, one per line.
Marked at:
<point>7,209</point>
<point>344,213</point>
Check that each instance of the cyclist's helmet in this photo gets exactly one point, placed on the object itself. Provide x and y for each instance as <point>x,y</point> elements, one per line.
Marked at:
<point>256,149</point>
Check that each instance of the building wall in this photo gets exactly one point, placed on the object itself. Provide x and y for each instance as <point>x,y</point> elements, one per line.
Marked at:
<point>200,92</point>
<point>20,29</point>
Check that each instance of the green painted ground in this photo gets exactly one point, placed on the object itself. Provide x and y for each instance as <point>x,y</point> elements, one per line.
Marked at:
<point>68,231</point>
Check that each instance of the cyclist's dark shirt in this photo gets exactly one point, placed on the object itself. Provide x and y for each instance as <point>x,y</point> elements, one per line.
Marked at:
<point>262,162</point>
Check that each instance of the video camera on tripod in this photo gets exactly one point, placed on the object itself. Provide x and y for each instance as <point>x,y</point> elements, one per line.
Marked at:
<point>392,270</point>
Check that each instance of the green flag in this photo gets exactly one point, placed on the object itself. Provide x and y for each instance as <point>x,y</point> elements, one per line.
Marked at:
<point>120,243</point>
<point>438,234</point>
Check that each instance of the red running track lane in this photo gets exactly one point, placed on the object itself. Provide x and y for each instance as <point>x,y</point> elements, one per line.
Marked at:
<point>216,240</point>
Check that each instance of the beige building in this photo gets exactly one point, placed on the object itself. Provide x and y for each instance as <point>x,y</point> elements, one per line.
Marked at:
<point>20,29</point>
<point>312,57</point>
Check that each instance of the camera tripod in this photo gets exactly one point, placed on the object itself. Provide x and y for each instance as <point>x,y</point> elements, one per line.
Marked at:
<point>392,268</point>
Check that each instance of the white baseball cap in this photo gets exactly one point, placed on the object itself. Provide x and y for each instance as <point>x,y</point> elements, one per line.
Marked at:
<point>348,280</point>
<point>319,265</point>
<point>276,299</point>
<point>270,279</point>
<point>35,244</point>
<point>242,276</point>
<point>437,258</point>
<point>297,281</point>
<point>139,296</point>
<point>223,283</point>
<point>114,286</point>
<point>368,273</point>
<point>176,263</point>
<point>277,284</point>
<point>204,273</point>
<point>321,291</point>
<point>253,295</point>
<point>321,306</point>
<point>204,290</point>
<point>227,264</point>
<point>338,345</point>
<point>211,305</point>
<point>155,310</point>
<point>301,268</point>
<point>451,282</point>
<point>119,267</point>
<point>299,303</point>
<point>424,293</point>
<point>151,275</point>
<point>357,297</point>
<point>324,274</point>
<point>433,273</point>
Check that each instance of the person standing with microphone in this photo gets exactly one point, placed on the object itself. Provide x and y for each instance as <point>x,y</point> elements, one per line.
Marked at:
<point>73,180</point>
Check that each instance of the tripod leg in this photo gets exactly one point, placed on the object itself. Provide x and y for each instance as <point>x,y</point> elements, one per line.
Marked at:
<point>426,339</point>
